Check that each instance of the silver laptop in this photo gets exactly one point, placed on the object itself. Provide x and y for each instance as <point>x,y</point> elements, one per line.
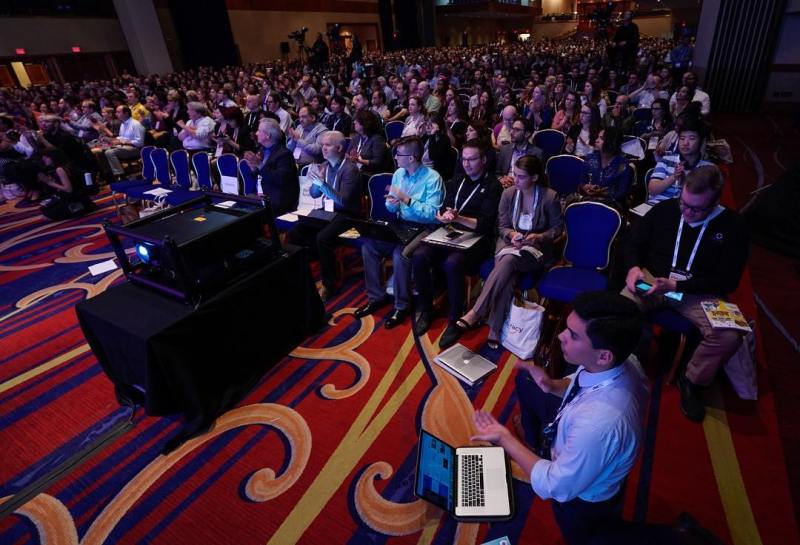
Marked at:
<point>470,483</point>
<point>465,364</point>
<point>451,237</point>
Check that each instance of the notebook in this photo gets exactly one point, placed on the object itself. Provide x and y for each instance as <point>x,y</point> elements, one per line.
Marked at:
<point>453,238</point>
<point>470,483</point>
<point>465,364</point>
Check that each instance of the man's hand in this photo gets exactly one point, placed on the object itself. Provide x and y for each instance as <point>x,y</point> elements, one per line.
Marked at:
<point>448,217</point>
<point>507,181</point>
<point>531,239</point>
<point>635,274</point>
<point>488,428</point>
<point>661,285</point>
<point>400,195</point>
<point>517,239</point>
<point>678,172</point>
<point>251,158</point>
<point>538,374</point>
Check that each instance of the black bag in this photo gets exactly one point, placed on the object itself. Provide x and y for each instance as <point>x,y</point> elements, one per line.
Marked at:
<point>59,208</point>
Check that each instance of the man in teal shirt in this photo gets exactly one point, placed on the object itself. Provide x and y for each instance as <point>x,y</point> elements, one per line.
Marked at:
<point>415,195</point>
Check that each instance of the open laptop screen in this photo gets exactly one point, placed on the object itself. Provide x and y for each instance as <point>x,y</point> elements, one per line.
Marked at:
<point>435,471</point>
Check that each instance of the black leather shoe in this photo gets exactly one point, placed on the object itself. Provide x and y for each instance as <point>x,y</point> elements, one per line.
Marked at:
<point>423,323</point>
<point>691,533</point>
<point>396,318</point>
<point>692,403</point>
<point>451,335</point>
<point>370,308</point>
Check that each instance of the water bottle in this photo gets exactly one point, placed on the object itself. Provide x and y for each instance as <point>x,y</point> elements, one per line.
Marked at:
<point>87,179</point>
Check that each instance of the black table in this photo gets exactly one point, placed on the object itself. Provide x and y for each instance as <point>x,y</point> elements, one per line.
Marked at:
<point>174,358</point>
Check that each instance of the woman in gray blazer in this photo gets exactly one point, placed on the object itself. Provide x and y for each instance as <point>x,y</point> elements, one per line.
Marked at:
<point>529,220</point>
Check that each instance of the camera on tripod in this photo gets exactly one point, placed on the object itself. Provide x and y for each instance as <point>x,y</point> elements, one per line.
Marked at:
<point>299,35</point>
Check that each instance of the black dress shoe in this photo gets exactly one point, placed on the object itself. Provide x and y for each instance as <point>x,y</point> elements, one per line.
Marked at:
<point>396,318</point>
<point>370,308</point>
<point>692,403</point>
<point>451,335</point>
<point>423,323</point>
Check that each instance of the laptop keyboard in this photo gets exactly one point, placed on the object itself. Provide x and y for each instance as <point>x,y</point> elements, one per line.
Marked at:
<point>472,480</point>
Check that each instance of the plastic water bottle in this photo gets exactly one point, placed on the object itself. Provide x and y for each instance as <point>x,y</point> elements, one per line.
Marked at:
<point>87,179</point>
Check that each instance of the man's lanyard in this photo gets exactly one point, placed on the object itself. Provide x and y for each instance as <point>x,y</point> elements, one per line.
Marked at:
<point>338,118</point>
<point>469,198</point>
<point>696,244</point>
<point>360,143</point>
<point>335,175</point>
<point>584,391</point>
<point>517,199</point>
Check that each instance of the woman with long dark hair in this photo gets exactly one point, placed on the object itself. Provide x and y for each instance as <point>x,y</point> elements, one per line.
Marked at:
<point>581,138</point>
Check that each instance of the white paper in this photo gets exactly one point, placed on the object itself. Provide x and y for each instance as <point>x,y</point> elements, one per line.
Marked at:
<point>102,267</point>
<point>724,315</point>
<point>297,152</point>
<point>633,148</point>
<point>289,217</point>
<point>226,204</point>
<point>303,210</point>
<point>328,205</point>
<point>508,250</point>
<point>642,209</point>
<point>653,143</point>
<point>306,201</point>
<point>158,191</point>
<point>229,184</point>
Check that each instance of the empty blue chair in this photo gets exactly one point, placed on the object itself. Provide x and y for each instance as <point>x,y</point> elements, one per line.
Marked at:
<point>550,141</point>
<point>591,230</point>
<point>202,170</point>
<point>228,166</point>
<point>671,320</point>
<point>148,173</point>
<point>180,166</point>
<point>393,130</point>
<point>250,180</point>
<point>377,186</point>
<point>564,173</point>
<point>159,161</point>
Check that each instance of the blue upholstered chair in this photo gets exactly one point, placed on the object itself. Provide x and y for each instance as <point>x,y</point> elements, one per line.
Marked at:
<point>202,170</point>
<point>180,166</point>
<point>393,130</point>
<point>148,173</point>
<point>564,173</point>
<point>550,141</point>
<point>228,166</point>
<point>250,180</point>
<point>591,229</point>
<point>376,187</point>
<point>671,320</point>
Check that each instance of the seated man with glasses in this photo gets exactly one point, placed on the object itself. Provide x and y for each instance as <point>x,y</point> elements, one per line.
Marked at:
<point>520,146</point>
<point>415,195</point>
<point>693,247</point>
<point>668,175</point>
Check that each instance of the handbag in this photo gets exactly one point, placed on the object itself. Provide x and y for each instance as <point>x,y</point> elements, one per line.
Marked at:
<point>522,328</point>
<point>741,367</point>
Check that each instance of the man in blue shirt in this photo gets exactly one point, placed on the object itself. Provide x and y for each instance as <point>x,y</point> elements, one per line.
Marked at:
<point>415,195</point>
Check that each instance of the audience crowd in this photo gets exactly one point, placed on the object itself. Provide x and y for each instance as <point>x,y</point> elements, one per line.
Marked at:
<point>459,128</point>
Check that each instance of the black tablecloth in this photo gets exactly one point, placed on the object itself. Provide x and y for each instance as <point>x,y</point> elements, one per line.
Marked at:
<point>201,361</point>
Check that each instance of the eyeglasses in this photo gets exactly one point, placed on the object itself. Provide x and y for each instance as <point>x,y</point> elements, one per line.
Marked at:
<point>694,209</point>
<point>404,155</point>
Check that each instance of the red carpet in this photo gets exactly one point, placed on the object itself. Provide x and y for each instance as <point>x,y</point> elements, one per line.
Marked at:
<point>322,450</point>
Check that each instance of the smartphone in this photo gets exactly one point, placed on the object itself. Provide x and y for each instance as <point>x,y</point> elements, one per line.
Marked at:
<point>644,287</point>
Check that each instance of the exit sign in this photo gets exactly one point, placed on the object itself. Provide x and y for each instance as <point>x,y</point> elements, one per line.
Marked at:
<point>76,49</point>
<point>19,51</point>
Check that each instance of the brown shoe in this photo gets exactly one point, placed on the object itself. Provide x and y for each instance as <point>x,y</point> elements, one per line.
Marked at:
<point>325,294</point>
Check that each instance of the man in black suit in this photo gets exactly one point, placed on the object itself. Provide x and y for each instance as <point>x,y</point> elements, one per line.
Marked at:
<point>519,146</point>
<point>337,179</point>
<point>252,113</point>
<point>275,168</point>
<point>338,119</point>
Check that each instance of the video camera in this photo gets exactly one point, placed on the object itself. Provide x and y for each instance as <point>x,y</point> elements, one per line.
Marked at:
<point>299,35</point>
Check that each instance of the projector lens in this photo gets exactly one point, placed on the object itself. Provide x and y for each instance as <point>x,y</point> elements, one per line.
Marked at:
<point>143,252</point>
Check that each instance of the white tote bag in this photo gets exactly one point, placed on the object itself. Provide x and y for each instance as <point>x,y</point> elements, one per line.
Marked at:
<point>522,327</point>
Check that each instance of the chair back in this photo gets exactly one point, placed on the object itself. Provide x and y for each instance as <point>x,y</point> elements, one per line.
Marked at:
<point>228,166</point>
<point>640,127</point>
<point>250,179</point>
<point>180,166</point>
<point>550,141</point>
<point>393,130</point>
<point>148,170</point>
<point>642,114</point>
<point>304,170</point>
<point>628,138</point>
<point>591,229</point>
<point>564,173</point>
<point>160,161</point>
<point>377,186</point>
<point>202,170</point>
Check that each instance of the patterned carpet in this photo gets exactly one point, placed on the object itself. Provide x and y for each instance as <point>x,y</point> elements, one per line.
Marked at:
<point>323,449</point>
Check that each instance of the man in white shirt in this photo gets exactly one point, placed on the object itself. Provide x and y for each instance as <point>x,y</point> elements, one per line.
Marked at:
<point>196,133</point>
<point>595,416</point>
<point>127,144</point>
<point>273,103</point>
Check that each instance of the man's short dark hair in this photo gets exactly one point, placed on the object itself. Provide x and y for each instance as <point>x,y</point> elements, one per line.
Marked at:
<point>695,124</point>
<point>127,111</point>
<point>477,144</point>
<point>613,322</point>
<point>340,100</point>
<point>414,145</point>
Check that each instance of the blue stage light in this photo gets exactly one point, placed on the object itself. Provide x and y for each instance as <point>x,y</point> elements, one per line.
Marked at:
<point>143,253</point>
